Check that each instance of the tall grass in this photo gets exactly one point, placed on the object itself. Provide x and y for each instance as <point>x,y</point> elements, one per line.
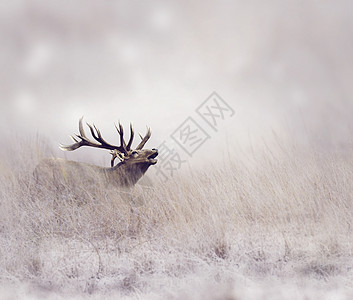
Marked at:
<point>280,214</point>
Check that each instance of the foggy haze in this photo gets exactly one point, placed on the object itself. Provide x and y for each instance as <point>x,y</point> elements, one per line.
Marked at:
<point>283,66</point>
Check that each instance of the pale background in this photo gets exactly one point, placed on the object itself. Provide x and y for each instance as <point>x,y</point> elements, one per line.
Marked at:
<point>284,66</point>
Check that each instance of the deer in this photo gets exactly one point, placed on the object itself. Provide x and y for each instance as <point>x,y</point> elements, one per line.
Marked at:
<point>132,166</point>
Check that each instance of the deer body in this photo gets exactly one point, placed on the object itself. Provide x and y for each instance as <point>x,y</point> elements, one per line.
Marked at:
<point>133,164</point>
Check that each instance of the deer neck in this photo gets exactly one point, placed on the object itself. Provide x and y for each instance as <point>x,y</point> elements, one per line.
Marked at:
<point>128,174</point>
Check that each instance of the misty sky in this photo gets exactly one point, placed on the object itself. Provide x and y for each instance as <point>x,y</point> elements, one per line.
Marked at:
<point>281,65</point>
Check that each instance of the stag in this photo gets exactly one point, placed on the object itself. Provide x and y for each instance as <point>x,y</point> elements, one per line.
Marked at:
<point>132,166</point>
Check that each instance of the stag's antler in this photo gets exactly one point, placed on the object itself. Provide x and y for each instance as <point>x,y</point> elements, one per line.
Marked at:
<point>116,151</point>
<point>84,141</point>
<point>145,139</point>
<point>122,140</point>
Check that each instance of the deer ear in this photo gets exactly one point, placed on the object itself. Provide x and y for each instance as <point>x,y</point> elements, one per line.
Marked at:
<point>115,154</point>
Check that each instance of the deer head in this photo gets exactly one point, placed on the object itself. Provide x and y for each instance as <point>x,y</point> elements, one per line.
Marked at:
<point>133,162</point>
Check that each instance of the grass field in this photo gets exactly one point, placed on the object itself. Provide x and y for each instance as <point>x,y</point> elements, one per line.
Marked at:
<point>273,224</point>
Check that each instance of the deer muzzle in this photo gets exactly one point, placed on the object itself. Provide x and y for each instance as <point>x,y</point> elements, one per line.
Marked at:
<point>152,157</point>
